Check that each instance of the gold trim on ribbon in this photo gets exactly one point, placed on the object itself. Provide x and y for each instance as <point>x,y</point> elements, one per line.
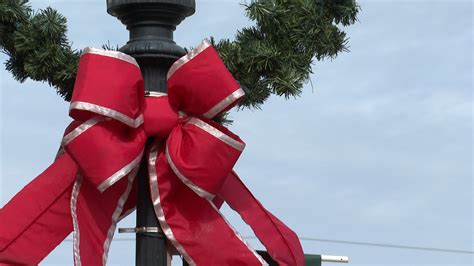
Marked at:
<point>75,224</point>
<point>114,54</point>
<point>183,60</point>
<point>239,93</point>
<point>155,195</point>
<point>201,192</point>
<point>81,129</point>
<point>239,236</point>
<point>120,173</point>
<point>217,133</point>
<point>116,214</point>
<point>192,186</point>
<point>101,110</point>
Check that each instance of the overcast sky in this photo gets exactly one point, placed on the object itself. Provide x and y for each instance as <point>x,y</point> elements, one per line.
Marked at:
<point>379,150</point>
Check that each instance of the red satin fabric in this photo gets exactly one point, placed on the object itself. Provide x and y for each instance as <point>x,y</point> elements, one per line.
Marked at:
<point>281,242</point>
<point>197,225</point>
<point>201,83</point>
<point>105,148</point>
<point>108,82</point>
<point>38,218</point>
<point>201,157</point>
<point>94,211</point>
<point>190,170</point>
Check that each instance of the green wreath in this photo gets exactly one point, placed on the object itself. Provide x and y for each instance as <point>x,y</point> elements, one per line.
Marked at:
<point>272,57</point>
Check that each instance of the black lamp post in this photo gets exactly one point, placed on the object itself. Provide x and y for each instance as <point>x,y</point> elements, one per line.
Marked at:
<point>151,24</point>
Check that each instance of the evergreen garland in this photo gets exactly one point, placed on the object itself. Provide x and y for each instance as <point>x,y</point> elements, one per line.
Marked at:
<point>37,46</point>
<point>273,57</point>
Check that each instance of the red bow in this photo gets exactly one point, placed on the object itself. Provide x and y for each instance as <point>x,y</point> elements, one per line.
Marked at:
<point>190,164</point>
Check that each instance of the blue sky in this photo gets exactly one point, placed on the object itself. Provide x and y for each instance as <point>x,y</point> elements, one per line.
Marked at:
<point>379,150</point>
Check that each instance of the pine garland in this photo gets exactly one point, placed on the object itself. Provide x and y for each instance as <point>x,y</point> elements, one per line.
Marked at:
<point>37,46</point>
<point>273,57</point>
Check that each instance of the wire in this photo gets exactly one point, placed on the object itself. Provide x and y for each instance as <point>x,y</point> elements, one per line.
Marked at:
<point>381,245</point>
<point>385,245</point>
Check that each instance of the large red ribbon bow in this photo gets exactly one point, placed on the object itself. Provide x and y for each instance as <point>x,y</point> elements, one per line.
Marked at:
<point>190,164</point>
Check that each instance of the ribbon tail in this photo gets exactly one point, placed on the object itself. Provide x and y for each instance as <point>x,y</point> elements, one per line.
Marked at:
<point>193,224</point>
<point>281,242</point>
<point>95,216</point>
<point>131,202</point>
<point>218,201</point>
<point>37,218</point>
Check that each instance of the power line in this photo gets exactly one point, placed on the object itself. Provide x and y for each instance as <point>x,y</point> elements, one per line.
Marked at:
<point>385,245</point>
<point>380,245</point>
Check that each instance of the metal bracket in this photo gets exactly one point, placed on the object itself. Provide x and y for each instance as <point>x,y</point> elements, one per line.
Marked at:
<point>140,230</point>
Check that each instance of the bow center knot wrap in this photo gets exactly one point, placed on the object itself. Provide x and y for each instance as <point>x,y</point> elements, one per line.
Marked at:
<point>190,160</point>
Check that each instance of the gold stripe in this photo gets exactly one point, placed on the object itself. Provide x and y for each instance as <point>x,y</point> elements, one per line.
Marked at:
<point>113,54</point>
<point>217,133</point>
<point>116,215</point>
<point>183,60</point>
<point>239,93</point>
<point>239,236</point>
<point>101,110</point>
<point>155,195</point>
<point>81,129</point>
<point>120,173</point>
<point>75,224</point>
<point>201,192</point>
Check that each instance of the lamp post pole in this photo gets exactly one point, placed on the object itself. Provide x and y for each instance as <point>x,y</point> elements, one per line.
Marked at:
<point>151,24</point>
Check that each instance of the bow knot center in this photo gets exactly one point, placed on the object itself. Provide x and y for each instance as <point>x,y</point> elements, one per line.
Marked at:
<point>159,117</point>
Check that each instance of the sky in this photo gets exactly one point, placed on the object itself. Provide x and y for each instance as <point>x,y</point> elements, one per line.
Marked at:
<point>379,149</point>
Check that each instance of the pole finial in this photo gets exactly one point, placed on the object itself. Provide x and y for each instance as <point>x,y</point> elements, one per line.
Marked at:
<point>151,24</point>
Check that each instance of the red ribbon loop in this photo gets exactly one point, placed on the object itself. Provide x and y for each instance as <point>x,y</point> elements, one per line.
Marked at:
<point>200,84</point>
<point>110,84</point>
<point>202,155</point>
<point>160,117</point>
